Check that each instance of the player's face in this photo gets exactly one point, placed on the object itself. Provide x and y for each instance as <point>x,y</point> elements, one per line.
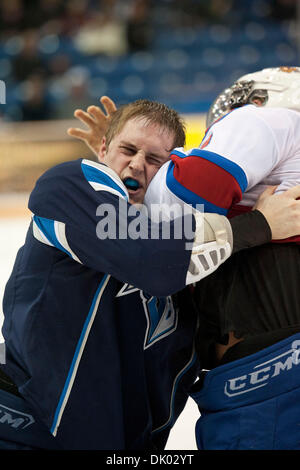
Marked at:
<point>136,154</point>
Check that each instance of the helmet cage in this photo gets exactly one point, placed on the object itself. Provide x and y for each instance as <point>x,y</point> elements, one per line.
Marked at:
<point>239,94</point>
<point>273,87</point>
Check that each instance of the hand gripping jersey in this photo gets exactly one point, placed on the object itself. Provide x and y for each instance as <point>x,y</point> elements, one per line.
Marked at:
<point>100,352</point>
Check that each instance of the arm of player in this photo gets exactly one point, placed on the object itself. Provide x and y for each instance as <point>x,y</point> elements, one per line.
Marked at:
<point>81,208</point>
<point>276,217</point>
<point>236,154</point>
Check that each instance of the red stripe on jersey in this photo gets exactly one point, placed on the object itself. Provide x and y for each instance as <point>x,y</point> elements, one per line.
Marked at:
<point>207,180</point>
<point>238,210</point>
<point>206,142</point>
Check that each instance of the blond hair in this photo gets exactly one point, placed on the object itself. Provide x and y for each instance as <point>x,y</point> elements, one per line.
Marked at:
<point>154,113</point>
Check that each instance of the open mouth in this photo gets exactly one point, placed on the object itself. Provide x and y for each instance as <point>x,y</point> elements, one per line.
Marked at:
<point>131,184</point>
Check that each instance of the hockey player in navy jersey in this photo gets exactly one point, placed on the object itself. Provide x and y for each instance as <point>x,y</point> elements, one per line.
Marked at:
<point>92,347</point>
<point>98,355</point>
<point>249,309</point>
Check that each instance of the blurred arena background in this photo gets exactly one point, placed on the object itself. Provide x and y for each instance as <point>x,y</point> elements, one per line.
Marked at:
<point>60,55</point>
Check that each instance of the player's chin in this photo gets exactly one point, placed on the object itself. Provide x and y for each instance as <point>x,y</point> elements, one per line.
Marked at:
<point>136,197</point>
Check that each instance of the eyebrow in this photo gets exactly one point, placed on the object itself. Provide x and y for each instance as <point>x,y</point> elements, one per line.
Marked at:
<point>133,147</point>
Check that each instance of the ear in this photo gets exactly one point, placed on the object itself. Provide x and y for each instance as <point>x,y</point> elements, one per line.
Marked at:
<point>102,150</point>
<point>257,102</point>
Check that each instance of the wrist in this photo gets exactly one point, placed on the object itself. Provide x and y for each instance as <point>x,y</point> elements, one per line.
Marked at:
<point>249,230</point>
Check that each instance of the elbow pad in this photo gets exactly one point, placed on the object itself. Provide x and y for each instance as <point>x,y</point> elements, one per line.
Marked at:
<point>212,245</point>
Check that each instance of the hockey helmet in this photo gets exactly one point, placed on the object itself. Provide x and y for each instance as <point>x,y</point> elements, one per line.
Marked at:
<point>274,87</point>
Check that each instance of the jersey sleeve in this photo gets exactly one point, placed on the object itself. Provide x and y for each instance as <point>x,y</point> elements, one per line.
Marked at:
<point>74,204</point>
<point>247,137</point>
<point>236,153</point>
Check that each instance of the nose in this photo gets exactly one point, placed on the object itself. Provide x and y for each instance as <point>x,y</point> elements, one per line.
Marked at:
<point>137,162</point>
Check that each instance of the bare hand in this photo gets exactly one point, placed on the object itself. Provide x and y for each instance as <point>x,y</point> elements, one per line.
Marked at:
<point>282,211</point>
<point>97,122</point>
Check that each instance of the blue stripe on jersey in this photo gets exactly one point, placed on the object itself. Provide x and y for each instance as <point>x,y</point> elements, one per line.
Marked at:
<point>179,153</point>
<point>155,315</point>
<point>189,196</point>
<point>95,175</point>
<point>47,228</point>
<point>78,353</point>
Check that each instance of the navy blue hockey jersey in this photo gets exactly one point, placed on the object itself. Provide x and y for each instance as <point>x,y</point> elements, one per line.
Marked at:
<point>95,344</point>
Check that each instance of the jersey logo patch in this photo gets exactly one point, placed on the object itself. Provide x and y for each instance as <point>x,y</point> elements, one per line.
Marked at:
<point>126,289</point>
<point>161,317</point>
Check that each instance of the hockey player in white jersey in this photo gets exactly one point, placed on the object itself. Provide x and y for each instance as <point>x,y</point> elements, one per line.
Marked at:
<point>249,309</point>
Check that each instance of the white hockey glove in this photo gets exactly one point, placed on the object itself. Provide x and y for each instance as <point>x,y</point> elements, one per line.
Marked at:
<point>212,245</point>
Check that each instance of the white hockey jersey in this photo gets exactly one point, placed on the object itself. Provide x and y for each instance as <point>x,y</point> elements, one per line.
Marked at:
<point>240,155</point>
